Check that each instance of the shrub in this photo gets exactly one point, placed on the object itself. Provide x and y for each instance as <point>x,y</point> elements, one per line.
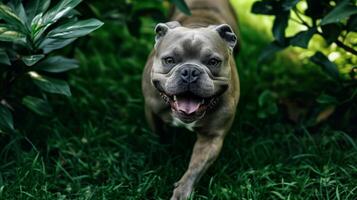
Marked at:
<point>132,13</point>
<point>335,23</point>
<point>331,19</point>
<point>29,33</point>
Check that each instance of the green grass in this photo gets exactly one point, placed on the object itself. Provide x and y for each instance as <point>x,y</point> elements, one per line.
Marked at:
<point>98,146</point>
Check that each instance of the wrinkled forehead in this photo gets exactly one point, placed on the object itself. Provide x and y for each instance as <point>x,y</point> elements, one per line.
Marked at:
<point>192,42</point>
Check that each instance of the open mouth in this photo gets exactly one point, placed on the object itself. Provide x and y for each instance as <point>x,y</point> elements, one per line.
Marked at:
<point>189,106</point>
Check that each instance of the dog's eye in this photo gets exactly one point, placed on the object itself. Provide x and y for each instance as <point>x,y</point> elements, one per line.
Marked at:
<point>169,61</point>
<point>213,62</point>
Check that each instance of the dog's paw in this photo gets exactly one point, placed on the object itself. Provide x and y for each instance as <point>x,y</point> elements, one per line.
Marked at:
<point>181,192</point>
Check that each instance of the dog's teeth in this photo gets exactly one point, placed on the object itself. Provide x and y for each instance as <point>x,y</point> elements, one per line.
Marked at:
<point>166,99</point>
<point>203,101</point>
<point>175,98</point>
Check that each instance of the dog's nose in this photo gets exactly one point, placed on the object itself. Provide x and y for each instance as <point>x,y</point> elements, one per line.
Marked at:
<point>190,74</point>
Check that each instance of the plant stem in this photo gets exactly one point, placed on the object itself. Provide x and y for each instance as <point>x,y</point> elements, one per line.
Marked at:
<point>345,47</point>
<point>300,18</point>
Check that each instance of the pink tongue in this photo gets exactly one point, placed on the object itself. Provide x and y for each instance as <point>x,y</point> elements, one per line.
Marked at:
<point>187,105</point>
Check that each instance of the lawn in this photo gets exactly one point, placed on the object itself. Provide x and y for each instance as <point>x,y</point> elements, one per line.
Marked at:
<point>98,145</point>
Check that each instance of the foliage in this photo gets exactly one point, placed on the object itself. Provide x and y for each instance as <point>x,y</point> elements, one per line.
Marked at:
<point>29,33</point>
<point>181,5</point>
<point>132,13</point>
<point>98,145</point>
<point>31,30</point>
<point>335,21</point>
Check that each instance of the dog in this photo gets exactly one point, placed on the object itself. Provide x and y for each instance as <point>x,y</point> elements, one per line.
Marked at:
<point>191,80</point>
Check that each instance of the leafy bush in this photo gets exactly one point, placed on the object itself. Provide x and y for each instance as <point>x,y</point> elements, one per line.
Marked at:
<point>132,13</point>
<point>29,33</point>
<point>334,22</point>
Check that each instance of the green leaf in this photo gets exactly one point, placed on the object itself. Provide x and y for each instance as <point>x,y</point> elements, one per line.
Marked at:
<point>182,6</point>
<point>50,85</point>
<point>352,23</point>
<point>303,38</point>
<point>35,7</point>
<point>9,16</point>
<point>4,58</point>
<point>262,114</point>
<point>288,4</point>
<point>342,10</point>
<point>48,45</point>
<point>60,10</point>
<point>331,32</point>
<point>327,99</point>
<point>269,51</point>
<point>279,26</point>
<point>72,14</point>
<point>75,29</point>
<point>96,11</point>
<point>42,21</point>
<point>272,108</point>
<point>37,105</point>
<point>9,35</point>
<point>267,104</point>
<point>329,67</point>
<point>31,60</point>
<point>57,64</point>
<point>266,8</point>
<point>266,97</point>
<point>6,121</point>
<point>19,10</point>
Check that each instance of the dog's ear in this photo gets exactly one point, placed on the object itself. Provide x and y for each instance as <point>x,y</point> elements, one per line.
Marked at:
<point>162,28</point>
<point>227,34</point>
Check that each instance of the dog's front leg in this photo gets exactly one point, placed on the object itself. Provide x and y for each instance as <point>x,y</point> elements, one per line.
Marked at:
<point>205,152</point>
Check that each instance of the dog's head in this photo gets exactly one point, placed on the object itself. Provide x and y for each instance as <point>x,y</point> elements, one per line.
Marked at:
<point>191,67</point>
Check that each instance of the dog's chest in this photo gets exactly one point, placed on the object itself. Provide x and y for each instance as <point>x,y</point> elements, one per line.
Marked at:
<point>178,123</point>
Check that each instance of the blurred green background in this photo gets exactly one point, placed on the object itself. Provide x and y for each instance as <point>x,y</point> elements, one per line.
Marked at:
<point>286,141</point>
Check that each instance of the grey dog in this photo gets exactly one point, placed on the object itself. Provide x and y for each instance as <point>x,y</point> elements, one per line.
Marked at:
<point>191,80</point>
